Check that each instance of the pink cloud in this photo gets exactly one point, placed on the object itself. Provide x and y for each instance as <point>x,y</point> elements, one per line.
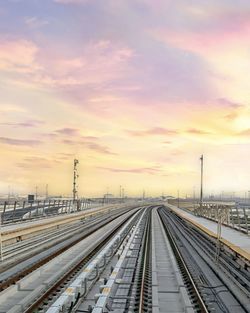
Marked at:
<point>30,123</point>
<point>19,142</point>
<point>99,148</point>
<point>228,103</point>
<point>153,132</point>
<point>37,162</point>
<point>228,30</point>
<point>142,170</point>
<point>197,131</point>
<point>18,55</point>
<point>84,141</point>
<point>99,62</point>
<point>68,131</point>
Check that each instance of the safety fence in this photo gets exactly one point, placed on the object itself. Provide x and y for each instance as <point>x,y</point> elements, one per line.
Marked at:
<point>25,210</point>
<point>235,216</point>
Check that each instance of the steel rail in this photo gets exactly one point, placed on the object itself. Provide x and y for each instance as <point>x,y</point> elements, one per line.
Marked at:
<point>239,275</point>
<point>226,267</point>
<point>27,270</point>
<point>180,260</point>
<point>145,263</point>
<point>74,270</point>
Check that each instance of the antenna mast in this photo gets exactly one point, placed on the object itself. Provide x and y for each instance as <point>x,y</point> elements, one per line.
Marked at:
<point>75,186</point>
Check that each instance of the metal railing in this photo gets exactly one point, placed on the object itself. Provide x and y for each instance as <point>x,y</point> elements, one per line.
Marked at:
<point>20,211</point>
<point>235,216</point>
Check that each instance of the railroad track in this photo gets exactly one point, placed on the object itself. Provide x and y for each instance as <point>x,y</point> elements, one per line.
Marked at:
<point>51,237</point>
<point>145,286</point>
<point>196,297</point>
<point>145,260</point>
<point>33,259</point>
<point>216,283</point>
<point>120,288</point>
<point>51,278</point>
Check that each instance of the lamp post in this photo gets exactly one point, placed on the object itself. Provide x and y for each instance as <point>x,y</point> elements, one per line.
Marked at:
<point>1,242</point>
<point>201,193</point>
<point>123,195</point>
<point>120,194</point>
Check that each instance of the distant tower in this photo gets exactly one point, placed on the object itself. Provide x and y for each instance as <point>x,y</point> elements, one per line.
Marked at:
<point>36,192</point>
<point>75,191</point>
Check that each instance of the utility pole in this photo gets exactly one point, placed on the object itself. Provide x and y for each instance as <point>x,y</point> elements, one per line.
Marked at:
<point>143,195</point>
<point>194,197</point>
<point>47,191</point>
<point>75,177</point>
<point>178,195</point>
<point>123,194</point>
<point>120,193</point>
<point>1,241</point>
<point>8,193</point>
<point>36,192</point>
<point>201,195</point>
<point>107,195</point>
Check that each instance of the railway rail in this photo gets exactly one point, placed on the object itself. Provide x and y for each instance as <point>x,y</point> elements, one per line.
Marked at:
<point>146,259</point>
<point>28,292</point>
<point>224,285</point>
<point>32,262</point>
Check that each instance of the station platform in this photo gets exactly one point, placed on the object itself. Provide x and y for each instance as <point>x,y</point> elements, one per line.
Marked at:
<point>234,239</point>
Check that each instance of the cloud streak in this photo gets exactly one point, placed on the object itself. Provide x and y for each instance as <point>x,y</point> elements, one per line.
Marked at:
<point>155,131</point>
<point>142,170</point>
<point>19,142</point>
<point>27,124</point>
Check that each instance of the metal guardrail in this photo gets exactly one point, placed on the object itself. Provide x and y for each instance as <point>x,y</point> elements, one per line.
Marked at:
<point>233,215</point>
<point>20,211</point>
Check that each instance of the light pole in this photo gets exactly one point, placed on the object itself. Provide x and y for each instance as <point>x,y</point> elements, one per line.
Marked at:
<point>178,195</point>
<point>194,197</point>
<point>1,242</point>
<point>123,195</point>
<point>201,194</point>
<point>107,195</point>
<point>47,191</point>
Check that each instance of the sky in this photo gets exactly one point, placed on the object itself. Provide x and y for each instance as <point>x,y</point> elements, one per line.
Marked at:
<point>136,90</point>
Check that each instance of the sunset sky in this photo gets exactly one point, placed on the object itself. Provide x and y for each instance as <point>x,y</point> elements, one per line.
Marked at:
<point>136,90</point>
